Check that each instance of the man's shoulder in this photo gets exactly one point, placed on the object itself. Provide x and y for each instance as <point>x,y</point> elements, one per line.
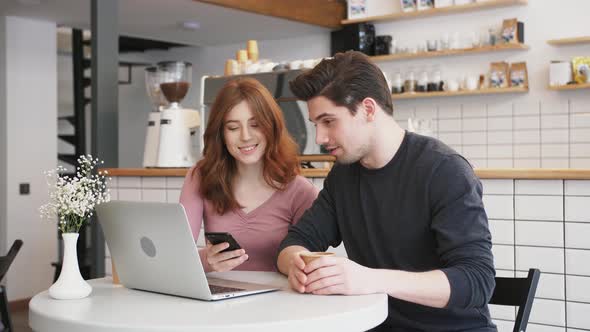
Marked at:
<point>428,152</point>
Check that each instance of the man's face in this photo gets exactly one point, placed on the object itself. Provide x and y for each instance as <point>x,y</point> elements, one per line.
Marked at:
<point>345,136</point>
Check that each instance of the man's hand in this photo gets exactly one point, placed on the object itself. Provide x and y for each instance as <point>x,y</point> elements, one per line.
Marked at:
<point>338,275</point>
<point>297,277</point>
<point>290,264</point>
<point>224,261</point>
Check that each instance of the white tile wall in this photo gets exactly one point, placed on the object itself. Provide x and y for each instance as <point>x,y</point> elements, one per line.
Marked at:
<point>527,150</point>
<point>500,151</point>
<point>497,186</point>
<point>173,195</point>
<point>577,262</point>
<point>129,182</point>
<point>545,259</point>
<point>499,137</point>
<point>500,163</point>
<point>503,256</point>
<point>555,136</point>
<point>504,325</point>
<point>499,206</point>
<point>127,194</point>
<point>539,233</point>
<point>527,163</point>
<point>538,187</point>
<point>526,136</point>
<point>155,182</point>
<point>502,312</point>
<point>153,195</point>
<point>578,288</point>
<point>548,312</point>
<point>555,163</point>
<point>174,182</point>
<point>526,122</point>
<point>577,235</point>
<point>476,138</point>
<point>579,135</point>
<point>577,187</point>
<point>538,207</point>
<point>578,315</point>
<point>576,208</point>
<point>544,328</point>
<point>551,286</point>
<point>502,231</point>
<point>545,134</point>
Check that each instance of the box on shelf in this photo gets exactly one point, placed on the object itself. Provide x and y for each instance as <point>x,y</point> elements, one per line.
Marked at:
<point>357,9</point>
<point>443,3</point>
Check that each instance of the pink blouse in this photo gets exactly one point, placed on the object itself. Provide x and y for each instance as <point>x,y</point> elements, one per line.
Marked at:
<point>260,231</point>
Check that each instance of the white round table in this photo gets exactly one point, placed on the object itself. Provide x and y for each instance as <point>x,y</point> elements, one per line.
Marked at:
<point>115,308</point>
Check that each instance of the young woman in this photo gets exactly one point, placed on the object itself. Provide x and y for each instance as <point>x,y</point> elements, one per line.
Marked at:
<point>248,182</point>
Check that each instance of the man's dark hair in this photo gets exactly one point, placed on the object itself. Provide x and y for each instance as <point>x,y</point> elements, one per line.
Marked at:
<point>346,80</point>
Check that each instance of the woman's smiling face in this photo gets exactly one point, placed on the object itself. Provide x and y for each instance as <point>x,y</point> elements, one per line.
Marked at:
<point>243,138</point>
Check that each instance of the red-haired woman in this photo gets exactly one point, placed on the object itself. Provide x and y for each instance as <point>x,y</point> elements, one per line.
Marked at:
<point>248,182</point>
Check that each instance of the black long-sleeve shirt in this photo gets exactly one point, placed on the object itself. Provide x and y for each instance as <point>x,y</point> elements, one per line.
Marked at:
<point>422,211</point>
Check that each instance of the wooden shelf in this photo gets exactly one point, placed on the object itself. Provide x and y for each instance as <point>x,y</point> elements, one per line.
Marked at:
<point>438,11</point>
<point>569,41</point>
<point>462,51</point>
<point>570,87</point>
<point>489,91</point>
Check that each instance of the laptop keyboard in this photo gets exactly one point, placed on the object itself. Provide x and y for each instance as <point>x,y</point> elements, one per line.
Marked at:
<point>220,289</point>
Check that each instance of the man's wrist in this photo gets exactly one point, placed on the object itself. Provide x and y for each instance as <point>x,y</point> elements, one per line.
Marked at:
<point>383,281</point>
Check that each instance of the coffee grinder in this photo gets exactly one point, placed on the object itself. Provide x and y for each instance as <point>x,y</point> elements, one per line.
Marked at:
<point>152,134</point>
<point>177,124</point>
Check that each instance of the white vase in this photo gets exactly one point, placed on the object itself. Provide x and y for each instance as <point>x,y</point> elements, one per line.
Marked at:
<point>70,285</point>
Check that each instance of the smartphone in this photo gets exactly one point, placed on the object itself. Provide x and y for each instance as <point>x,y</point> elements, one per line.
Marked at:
<point>220,237</point>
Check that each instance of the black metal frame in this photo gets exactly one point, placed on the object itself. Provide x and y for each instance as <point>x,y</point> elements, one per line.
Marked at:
<point>517,292</point>
<point>5,262</point>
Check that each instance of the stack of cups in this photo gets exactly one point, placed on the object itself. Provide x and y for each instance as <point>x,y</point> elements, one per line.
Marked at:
<point>252,48</point>
<point>231,67</point>
<point>246,60</point>
<point>242,57</point>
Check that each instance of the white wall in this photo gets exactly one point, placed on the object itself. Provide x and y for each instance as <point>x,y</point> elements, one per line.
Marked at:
<point>540,129</point>
<point>3,135</point>
<point>29,105</point>
<point>206,61</point>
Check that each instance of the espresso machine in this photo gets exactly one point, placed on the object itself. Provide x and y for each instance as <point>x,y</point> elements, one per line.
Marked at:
<point>152,134</point>
<point>177,124</point>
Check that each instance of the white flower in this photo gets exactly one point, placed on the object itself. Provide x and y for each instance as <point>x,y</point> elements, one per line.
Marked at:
<point>73,199</point>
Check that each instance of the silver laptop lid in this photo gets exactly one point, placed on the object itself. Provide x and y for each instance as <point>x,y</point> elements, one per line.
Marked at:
<point>153,248</point>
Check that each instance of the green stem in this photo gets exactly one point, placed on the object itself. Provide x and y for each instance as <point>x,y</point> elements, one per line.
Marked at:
<point>72,225</point>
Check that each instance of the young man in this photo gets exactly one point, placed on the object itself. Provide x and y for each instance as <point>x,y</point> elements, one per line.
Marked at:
<point>407,208</point>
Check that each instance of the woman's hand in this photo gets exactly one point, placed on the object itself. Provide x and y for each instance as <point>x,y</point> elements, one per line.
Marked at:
<point>224,261</point>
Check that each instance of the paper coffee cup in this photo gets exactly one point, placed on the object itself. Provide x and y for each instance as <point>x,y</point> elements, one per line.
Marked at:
<point>308,257</point>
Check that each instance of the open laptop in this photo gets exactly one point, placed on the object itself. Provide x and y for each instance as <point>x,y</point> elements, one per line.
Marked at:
<point>154,250</point>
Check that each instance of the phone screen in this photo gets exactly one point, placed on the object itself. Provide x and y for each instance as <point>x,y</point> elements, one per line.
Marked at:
<point>220,237</point>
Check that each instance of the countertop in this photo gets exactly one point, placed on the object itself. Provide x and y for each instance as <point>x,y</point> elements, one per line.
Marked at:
<point>483,173</point>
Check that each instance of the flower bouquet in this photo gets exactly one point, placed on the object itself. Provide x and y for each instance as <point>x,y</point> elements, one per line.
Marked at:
<point>72,199</point>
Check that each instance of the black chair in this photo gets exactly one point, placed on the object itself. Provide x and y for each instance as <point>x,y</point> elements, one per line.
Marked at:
<point>517,292</point>
<point>5,262</point>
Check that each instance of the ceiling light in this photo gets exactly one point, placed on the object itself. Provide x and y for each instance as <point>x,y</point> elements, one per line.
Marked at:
<point>30,2</point>
<point>190,25</point>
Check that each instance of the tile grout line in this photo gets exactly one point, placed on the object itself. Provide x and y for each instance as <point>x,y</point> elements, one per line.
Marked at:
<point>564,254</point>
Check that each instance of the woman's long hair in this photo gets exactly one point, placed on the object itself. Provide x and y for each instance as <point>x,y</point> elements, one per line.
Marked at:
<point>218,168</point>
